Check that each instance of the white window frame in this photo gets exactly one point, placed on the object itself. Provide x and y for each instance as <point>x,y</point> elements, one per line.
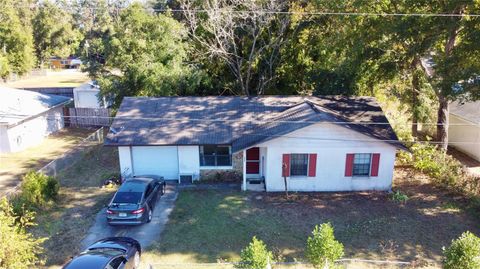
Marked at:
<point>369,166</point>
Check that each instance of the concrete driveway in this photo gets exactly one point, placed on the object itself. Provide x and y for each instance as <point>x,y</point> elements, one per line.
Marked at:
<point>146,233</point>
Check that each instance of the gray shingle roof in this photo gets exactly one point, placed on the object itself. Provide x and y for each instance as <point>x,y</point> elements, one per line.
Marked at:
<point>239,121</point>
<point>18,105</point>
<point>469,111</point>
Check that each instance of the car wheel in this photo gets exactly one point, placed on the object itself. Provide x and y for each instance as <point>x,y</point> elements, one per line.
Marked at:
<point>136,260</point>
<point>150,215</point>
<point>163,188</point>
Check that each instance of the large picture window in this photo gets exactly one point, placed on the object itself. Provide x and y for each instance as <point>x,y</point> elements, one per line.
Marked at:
<point>213,155</point>
<point>298,164</point>
<point>361,164</point>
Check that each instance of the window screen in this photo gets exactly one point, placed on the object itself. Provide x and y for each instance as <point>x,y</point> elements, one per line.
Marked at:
<point>212,155</point>
<point>298,164</point>
<point>361,164</point>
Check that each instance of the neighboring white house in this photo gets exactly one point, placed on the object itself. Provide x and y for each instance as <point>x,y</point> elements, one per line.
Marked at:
<point>87,96</point>
<point>464,129</point>
<point>26,117</point>
<point>325,143</point>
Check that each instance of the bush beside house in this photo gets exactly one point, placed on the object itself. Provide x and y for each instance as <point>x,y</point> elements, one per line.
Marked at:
<point>444,170</point>
<point>463,253</point>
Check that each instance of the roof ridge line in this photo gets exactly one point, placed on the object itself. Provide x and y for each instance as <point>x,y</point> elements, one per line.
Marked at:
<point>315,106</point>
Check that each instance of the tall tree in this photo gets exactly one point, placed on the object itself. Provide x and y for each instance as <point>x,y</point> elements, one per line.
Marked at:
<point>456,59</point>
<point>54,33</point>
<point>146,56</point>
<point>16,43</point>
<point>372,49</point>
<point>96,21</point>
<point>241,35</point>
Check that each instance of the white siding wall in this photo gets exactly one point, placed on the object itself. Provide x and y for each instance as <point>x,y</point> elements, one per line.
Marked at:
<point>32,132</point>
<point>189,160</point>
<point>86,98</point>
<point>331,158</point>
<point>4,142</point>
<point>125,160</point>
<point>468,135</point>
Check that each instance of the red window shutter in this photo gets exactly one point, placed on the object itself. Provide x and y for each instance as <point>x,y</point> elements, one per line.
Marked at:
<point>253,167</point>
<point>349,165</point>
<point>375,164</point>
<point>286,165</point>
<point>312,165</point>
<point>253,154</point>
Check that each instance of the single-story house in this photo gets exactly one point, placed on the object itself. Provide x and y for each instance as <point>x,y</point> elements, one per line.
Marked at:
<point>464,128</point>
<point>26,117</point>
<point>87,96</point>
<point>71,62</point>
<point>328,143</point>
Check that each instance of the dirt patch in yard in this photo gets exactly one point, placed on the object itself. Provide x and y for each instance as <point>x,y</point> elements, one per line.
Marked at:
<point>14,165</point>
<point>66,224</point>
<point>207,226</point>
<point>372,226</point>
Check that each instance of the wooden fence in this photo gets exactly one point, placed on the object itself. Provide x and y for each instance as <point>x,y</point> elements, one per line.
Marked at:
<point>87,117</point>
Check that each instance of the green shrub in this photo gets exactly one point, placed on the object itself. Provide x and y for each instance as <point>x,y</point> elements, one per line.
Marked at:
<point>38,189</point>
<point>322,248</point>
<point>463,253</point>
<point>19,249</point>
<point>445,170</point>
<point>398,196</point>
<point>17,208</point>
<point>255,256</point>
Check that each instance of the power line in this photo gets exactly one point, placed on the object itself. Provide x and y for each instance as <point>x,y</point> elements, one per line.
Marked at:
<point>310,13</point>
<point>320,13</point>
<point>179,119</point>
<point>341,139</point>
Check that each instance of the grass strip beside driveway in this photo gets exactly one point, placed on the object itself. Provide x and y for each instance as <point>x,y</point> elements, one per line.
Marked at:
<point>80,199</point>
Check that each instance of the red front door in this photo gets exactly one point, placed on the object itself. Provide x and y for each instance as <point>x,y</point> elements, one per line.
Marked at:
<point>253,161</point>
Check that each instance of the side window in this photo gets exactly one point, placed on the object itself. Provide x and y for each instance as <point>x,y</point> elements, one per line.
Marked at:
<point>149,190</point>
<point>115,263</point>
<point>361,164</point>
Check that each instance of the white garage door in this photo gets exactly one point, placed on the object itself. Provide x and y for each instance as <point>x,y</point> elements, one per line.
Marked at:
<point>156,160</point>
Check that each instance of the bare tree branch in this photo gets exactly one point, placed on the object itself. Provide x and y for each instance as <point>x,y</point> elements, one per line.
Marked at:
<point>248,42</point>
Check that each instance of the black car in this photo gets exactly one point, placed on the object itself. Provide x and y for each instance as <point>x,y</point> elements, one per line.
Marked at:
<point>135,200</point>
<point>109,253</point>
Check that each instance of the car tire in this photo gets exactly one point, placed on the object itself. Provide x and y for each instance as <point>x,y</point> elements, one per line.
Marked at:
<point>136,260</point>
<point>149,216</point>
<point>163,188</point>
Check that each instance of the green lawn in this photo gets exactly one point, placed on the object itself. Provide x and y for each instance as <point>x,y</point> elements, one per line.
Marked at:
<point>211,226</point>
<point>81,198</point>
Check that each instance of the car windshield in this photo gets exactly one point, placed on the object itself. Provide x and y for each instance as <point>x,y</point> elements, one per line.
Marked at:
<point>127,198</point>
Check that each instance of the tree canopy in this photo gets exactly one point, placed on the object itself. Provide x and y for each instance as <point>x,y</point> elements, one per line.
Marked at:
<point>241,47</point>
<point>16,41</point>
<point>53,32</point>
<point>146,56</point>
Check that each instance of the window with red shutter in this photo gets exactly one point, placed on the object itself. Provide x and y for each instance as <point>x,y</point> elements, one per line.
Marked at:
<point>286,165</point>
<point>349,165</point>
<point>312,165</point>
<point>375,164</point>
